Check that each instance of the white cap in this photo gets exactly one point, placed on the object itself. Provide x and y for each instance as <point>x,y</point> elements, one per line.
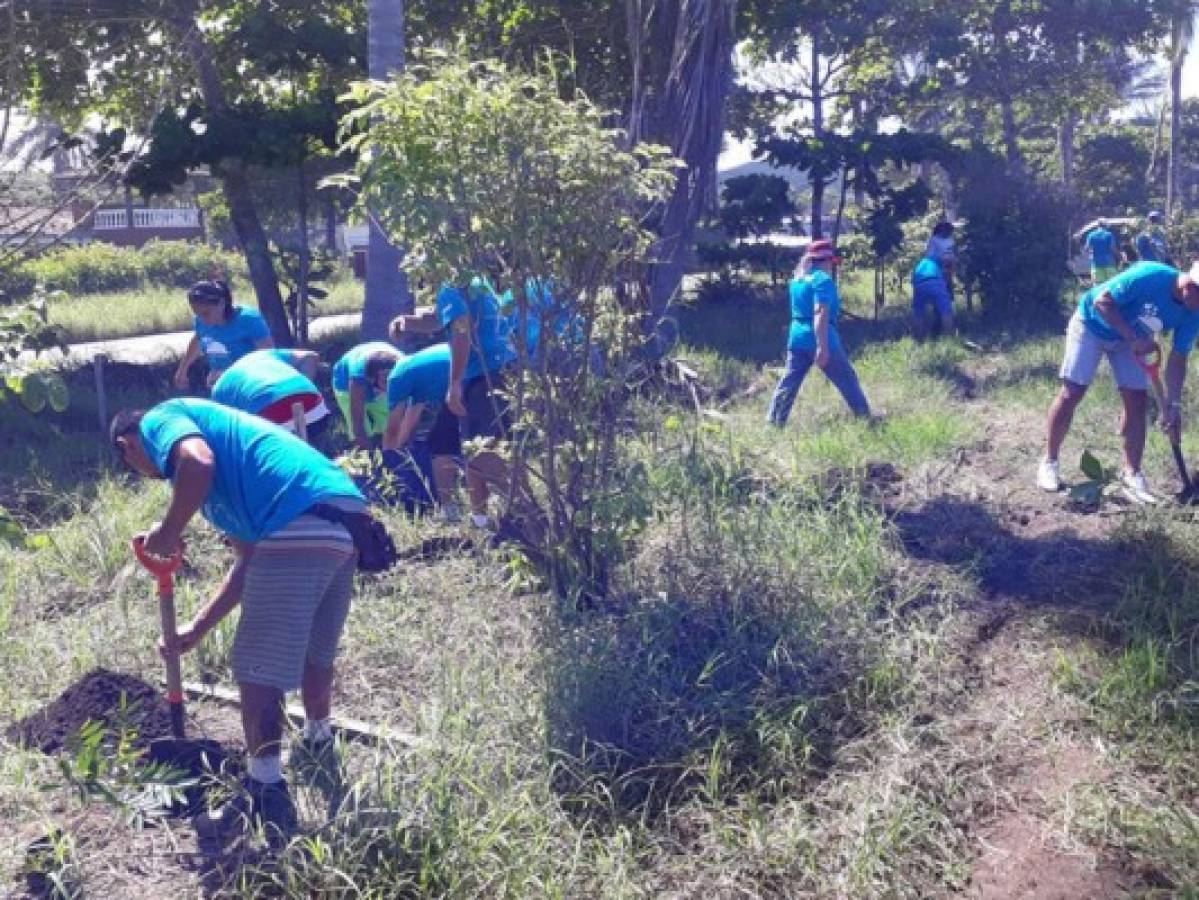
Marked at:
<point>1194,272</point>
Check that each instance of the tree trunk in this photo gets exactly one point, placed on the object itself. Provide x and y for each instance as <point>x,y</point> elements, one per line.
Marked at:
<point>330,225</point>
<point>690,119</point>
<point>305,261</point>
<point>387,294</point>
<point>243,214</point>
<point>1066,150</point>
<point>817,227</point>
<point>1176,65</point>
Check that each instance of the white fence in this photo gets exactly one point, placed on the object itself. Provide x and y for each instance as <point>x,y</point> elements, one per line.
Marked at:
<point>114,219</point>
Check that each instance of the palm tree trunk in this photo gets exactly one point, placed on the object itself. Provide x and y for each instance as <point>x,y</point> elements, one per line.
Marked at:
<point>817,133</point>
<point>387,292</point>
<point>1176,63</point>
<point>1066,150</point>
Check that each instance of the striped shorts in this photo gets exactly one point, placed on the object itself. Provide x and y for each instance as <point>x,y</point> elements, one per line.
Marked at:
<point>295,602</point>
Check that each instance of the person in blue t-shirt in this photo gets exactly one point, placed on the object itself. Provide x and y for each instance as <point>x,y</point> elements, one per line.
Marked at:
<point>480,353</point>
<point>930,294</point>
<point>293,572</point>
<point>1123,319</point>
<point>225,332</point>
<point>544,306</point>
<point>813,339</point>
<point>1105,258</point>
<point>268,383</point>
<point>1151,243</point>
<point>362,405</point>
<point>414,386</point>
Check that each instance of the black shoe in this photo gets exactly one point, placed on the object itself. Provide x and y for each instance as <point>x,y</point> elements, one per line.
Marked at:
<point>256,806</point>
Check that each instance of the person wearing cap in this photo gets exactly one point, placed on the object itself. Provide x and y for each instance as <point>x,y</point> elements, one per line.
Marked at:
<point>480,354</point>
<point>224,331</point>
<point>1151,243</point>
<point>363,407</point>
<point>814,339</point>
<point>276,498</point>
<point>268,384</point>
<point>1123,320</point>
<point>1101,245</point>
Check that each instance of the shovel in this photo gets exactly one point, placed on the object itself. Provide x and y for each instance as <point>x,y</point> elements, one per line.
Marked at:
<point>1152,364</point>
<point>194,758</point>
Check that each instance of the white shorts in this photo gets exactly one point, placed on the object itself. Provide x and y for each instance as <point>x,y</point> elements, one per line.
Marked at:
<point>1084,350</point>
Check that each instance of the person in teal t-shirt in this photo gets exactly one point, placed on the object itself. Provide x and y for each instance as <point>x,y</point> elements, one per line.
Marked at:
<point>814,339</point>
<point>362,405</point>
<point>930,295</point>
<point>1124,319</point>
<point>1105,260</point>
<point>293,574</point>
<point>224,331</point>
<point>268,383</point>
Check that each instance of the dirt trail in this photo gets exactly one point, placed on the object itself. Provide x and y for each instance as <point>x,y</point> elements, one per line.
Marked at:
<point>1036,560</point>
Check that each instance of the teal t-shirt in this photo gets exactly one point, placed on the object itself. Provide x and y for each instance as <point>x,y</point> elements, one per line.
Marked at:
<point>352,366</point>
<point>228,342</point>
<point>423,377</point>
<point>808,292</point>
<point>265,477</point>
<point>260,378</point>
<point>1144,295</point>
<point>1102,245</point>
<point>927,270</point>
<point>491,348</point>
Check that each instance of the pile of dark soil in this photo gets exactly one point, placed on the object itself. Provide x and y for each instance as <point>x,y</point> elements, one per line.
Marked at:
<point>97,696</point>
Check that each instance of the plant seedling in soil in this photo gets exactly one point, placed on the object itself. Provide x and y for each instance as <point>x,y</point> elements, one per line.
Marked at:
<point>1101,482</point>
<point>49,868</point>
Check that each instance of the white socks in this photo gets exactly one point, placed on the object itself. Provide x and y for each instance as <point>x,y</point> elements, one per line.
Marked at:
<point>317,730</point>
<point>266,769</point>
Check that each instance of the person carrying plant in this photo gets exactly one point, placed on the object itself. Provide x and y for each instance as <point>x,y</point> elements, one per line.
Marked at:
<point>480,353</point>
<point>814,339</point>
<point>292,573</point>
<point>1105,259</point>
<point>224,331</point>
<point>1122,319</point>
<point>268,383</point>
<point>1151,243</point>
<point>413,385</point>
<point>363,406</point>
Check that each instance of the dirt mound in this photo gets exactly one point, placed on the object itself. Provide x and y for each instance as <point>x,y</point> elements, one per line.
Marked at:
<point>97,696</point>
<point>874,480</point>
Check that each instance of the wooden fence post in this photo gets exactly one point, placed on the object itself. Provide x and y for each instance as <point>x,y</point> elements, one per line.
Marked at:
<point>101,395</point>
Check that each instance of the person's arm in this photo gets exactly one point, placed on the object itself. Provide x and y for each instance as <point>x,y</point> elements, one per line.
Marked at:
<point>401,424</point>
<point>189,356</point>
<point>821,321</point>
<point>358,415</point>
<point>460,331</point>
<point>1110,313</point>
<point>424,322</point>
<point>194,468</point>
<point>223,602</point>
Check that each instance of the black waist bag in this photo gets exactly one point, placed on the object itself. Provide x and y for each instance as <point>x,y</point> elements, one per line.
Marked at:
<point>376,549</point>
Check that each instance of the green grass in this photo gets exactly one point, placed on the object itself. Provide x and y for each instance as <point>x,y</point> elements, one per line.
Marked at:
<point>92,317</point>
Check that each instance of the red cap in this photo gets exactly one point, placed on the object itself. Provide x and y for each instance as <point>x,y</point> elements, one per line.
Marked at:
<point>821,251</point>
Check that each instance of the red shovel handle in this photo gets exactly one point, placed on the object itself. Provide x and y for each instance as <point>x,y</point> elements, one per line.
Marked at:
<point>163,568</point>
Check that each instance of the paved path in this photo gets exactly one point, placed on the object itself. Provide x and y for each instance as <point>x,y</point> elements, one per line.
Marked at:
<point>155,349</point>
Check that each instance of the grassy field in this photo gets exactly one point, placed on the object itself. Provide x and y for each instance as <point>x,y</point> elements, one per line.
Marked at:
<point>93,317</point>
<point>847,659</point>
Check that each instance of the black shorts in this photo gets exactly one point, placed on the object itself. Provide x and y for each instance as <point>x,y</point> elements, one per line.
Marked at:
<point>443,438</point>
<point>486,408</point>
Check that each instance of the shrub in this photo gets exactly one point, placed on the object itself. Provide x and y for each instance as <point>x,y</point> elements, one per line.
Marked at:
<point>183,263</point>
<point>87,269</point>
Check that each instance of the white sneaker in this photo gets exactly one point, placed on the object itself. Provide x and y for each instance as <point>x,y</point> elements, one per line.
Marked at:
<point>1048,478</point>
<point>1136,488</point>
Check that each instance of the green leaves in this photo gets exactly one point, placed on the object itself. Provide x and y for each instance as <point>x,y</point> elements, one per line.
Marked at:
<point>1092,467</point>
<point>25,331</point>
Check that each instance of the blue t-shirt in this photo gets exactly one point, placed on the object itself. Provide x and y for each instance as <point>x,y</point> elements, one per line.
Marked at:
<point>927,270</point>
<point>1151,247</point>
<point>808,292</point>
<point>423,377</point>
<point>491,348</point>
<point>1144,295</point>
<point>260,378</point>
<point>264,477</point>
<point>352,366</point>
<point>1102,245</point>
<point>228,342</point>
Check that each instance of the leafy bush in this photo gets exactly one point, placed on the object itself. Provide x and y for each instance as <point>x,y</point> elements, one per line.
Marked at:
<point>1183,236</point>
<point>766,256</point>
<point>98,267</point>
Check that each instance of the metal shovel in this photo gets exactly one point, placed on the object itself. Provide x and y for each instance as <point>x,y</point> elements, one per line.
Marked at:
<point>1152,364</point>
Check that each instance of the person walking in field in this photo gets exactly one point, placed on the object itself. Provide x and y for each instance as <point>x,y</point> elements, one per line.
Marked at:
<point>278,500</point>
<point>932,302</point>
<point>1151,243</point>
<point>363,406</point>
<point>268,383</point>
<point>224,331</point>
<point>1123,319</point>
<point>1105,258</point>
<point>414,385</point>
<point>814,339</point>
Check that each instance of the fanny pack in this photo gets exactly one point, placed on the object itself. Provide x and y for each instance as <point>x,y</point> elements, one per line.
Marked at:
<point>376,550</point>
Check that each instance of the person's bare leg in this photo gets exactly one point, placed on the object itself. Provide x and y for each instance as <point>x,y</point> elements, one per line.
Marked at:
<point>1061,414</point>
<point>316,691</point>
<point>262,719</point>
<point>1133,427</point>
